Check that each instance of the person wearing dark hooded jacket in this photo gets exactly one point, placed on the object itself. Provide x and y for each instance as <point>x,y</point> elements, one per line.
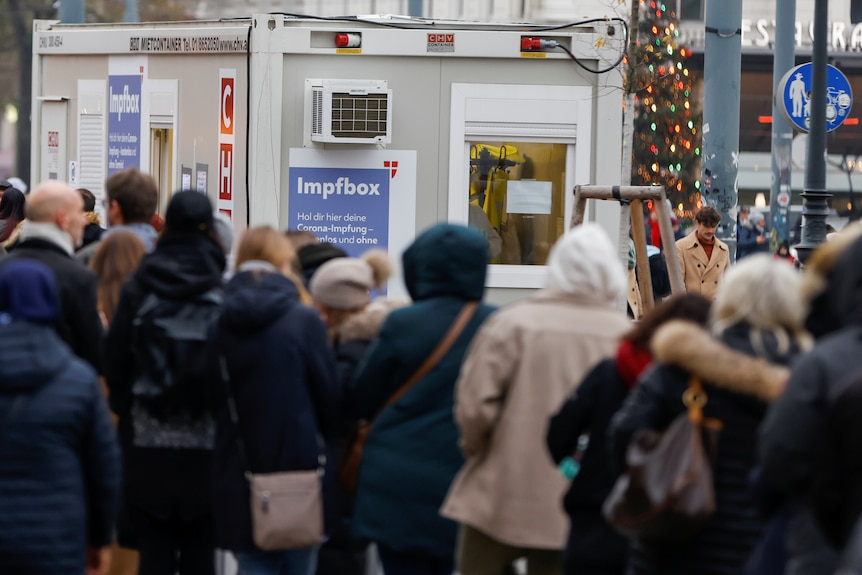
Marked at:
<point>851,558</point>
<point>836,490</point>
<point>411,455</point>
<point>166,510</point>
<point>756,331</point>
<point>282,378</point>
<point>59,458</point>
<point>807,440</point>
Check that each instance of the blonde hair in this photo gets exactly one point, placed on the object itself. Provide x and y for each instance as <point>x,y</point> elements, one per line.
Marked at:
<point>265,243</point>
<point>766,294</point>
<point>117,256</point>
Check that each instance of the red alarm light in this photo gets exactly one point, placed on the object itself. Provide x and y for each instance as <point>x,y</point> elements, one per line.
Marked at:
<point>344,40</point>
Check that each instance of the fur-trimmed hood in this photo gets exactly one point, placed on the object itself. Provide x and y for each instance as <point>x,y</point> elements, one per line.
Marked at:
<point>93,218</point>
<point>366,324</point>
<point>13,238</point>
<point>689,346</point>
<point>823,279</point>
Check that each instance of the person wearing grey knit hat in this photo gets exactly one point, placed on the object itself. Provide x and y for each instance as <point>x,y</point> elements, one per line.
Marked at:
<point>313,255</point>
<point>341,290</point>
<point>342,286</point>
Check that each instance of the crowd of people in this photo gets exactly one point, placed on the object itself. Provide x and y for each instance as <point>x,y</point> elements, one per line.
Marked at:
<point>150,370</point>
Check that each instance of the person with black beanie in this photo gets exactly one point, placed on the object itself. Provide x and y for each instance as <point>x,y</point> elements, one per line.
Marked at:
<point>165,417</point>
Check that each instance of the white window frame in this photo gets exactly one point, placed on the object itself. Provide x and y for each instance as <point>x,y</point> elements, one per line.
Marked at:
<point>92,112</point>
<point>518,113</point>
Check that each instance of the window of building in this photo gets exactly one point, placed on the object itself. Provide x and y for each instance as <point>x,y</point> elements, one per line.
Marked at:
<point>515,150</point>
<point>855,11</point>
<point>517,198</point>
<point>691,9</point>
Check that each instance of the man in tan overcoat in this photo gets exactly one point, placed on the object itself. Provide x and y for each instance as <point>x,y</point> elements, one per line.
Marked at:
<point>525,361</point>
<point>703,258</point>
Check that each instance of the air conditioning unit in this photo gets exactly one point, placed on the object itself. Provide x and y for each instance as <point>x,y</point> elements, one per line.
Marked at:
<point>350,111</point>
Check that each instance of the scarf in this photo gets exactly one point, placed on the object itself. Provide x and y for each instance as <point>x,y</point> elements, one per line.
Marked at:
<point>631,360</point>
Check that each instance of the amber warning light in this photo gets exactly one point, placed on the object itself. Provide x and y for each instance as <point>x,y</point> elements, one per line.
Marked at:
<point>343,40</point>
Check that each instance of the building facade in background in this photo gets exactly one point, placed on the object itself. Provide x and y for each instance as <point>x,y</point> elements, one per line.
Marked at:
<point>844,145</point>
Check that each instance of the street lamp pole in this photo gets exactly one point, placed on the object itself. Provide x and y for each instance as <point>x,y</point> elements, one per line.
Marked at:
<point>815,205</point>
<point>782,133</point>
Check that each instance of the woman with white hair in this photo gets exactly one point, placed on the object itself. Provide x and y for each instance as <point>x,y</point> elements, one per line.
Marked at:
<point>756,329</point>
<point>525,361</point>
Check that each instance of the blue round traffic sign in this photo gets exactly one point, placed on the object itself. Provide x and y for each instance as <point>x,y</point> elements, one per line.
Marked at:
<point>794,97</point>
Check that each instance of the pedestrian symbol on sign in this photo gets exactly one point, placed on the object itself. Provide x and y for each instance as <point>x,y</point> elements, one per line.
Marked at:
<point>794,97</point>
<point>799,95</point>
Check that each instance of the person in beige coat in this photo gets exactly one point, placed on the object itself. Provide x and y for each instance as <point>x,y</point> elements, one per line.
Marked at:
<point>525,361</point>
<point>703,258</point>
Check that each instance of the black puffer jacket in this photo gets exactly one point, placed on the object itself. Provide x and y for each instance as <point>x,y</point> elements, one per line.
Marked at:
<point>836,490</point>
<point>593,546</point>
<point>851,559</point>
<point>738,387</point>
<point>810,437</point>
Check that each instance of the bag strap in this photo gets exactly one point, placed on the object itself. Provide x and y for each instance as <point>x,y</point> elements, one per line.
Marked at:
<point>448,339</point>
<point>234,418</point>
<point>234,415</point>
<point>695,398</point>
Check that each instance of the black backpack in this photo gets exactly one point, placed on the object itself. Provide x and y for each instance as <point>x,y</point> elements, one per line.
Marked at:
<point>169,338</point>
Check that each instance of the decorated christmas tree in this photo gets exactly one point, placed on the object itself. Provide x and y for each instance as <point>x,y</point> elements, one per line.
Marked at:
<point>667,139</point>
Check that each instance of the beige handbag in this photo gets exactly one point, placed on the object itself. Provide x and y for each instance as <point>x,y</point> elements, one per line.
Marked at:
<point>286,509</point>
<point>286,506</point>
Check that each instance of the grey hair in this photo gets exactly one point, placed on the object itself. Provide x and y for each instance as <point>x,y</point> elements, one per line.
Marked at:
<point>766,294</point>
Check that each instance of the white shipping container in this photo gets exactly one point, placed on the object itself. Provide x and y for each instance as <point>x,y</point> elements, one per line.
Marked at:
<point>364,131</point>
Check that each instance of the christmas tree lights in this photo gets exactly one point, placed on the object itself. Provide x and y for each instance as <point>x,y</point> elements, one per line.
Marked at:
<point>667,139</point>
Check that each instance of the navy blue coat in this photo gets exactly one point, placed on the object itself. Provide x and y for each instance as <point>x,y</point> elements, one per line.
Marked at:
<point>283,379</point>
<point>747,242</point>
<point>59,459</point>
<point>412,454</point>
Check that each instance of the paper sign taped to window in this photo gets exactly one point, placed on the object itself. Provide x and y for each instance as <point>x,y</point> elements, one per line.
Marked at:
<point>528,197</point>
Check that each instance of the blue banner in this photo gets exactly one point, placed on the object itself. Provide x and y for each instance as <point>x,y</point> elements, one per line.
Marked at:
<point>347,207</point>
<point>124,122</point>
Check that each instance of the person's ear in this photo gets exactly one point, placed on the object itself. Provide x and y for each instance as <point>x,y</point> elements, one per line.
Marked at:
<point>60,219</point>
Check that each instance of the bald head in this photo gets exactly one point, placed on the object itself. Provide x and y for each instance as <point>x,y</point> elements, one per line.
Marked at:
<point>47,199</point>
<point>57,203</point>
